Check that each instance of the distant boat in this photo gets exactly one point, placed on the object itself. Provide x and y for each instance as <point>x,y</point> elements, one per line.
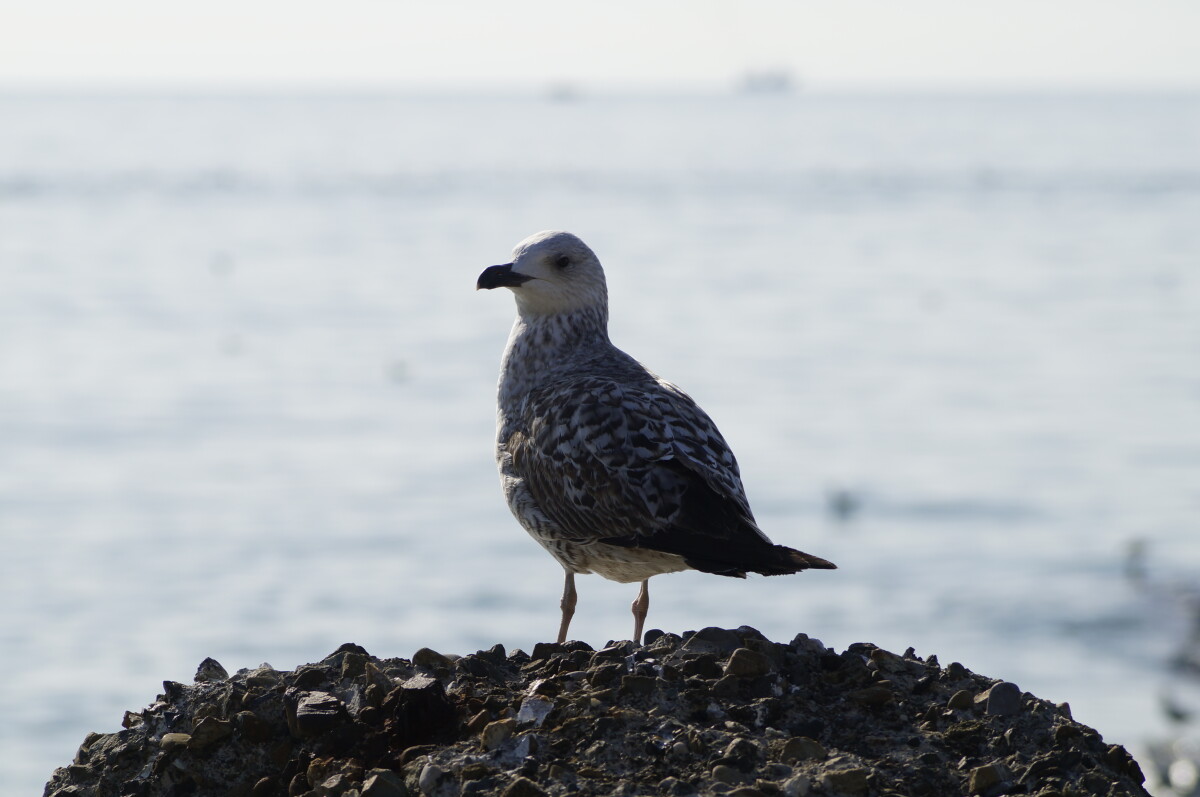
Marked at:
<point>562,92</point>
<point>773,81</point>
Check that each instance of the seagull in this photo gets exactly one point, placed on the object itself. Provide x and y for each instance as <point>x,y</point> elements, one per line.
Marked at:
<point>611,468</point>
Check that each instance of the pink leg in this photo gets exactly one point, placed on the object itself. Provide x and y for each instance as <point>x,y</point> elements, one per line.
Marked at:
<point>641,606</point>
<point>568,606</point>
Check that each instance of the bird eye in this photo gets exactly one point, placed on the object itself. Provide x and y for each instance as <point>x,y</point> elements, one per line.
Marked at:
<point>562,262</point>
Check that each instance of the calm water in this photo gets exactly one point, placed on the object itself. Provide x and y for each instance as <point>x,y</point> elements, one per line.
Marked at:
<point>246,386</point>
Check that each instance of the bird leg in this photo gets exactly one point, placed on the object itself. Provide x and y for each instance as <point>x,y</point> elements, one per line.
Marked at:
<point>641,606</point>
<point>568,606</point>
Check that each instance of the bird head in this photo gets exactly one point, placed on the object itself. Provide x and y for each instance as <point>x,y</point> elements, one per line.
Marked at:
<point>551,272</point>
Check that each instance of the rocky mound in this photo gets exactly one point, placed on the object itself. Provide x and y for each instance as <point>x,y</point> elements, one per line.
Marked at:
<point>711,712</point>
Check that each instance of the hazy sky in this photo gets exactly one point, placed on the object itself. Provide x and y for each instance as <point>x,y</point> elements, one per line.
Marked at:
<point>1088,43</point>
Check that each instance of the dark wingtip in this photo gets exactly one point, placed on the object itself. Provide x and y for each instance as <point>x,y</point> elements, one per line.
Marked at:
<point>806,561</point>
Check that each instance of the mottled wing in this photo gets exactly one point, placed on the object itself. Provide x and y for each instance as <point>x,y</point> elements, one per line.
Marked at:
<point>636,466</point>
<point>699,446</point>
<point>592,458</point>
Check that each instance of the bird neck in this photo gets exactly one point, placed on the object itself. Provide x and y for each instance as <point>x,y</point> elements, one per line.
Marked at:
<point>541,346</point>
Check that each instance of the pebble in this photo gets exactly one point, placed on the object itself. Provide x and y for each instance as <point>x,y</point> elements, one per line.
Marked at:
<point>634,685</point>
<point>495,733</point>
<point>848,781</point>
<point>725,640</point>
<point>252,728</point>
<point>802,748</point>
<point>1004,699</point>
<point>746,663</point>
<point>174,741</point>
<point>726,774</point>
<point>984,777</point>
<point>871,696</point>
<point>208,732</point>
<point>427,659</point>
<point>210,670</point>
<point>430,779</point>
<point>317,712</point>
<point>523,787</point>
<point>797,786</point>
<point>384,783</point>
<point>960,700</point>
<point>534,710</point>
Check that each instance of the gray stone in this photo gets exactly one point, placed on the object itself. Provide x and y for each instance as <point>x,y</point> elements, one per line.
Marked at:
<point>1004,699</point>
<point>984,777</point>
<point>746,663</point>
<point>430,779</point>
<point>353,665</point>
<point>427,659</point>
<point>960,700</point>
<point>726,641</point>
<point>252,727</point>
<point>209,732</point>
<point>317,712</point>
<point>802,748</point>
<point>174,741</point>
<point>534,710</point>
<point>210,670</point>
<point>636,685</point>
<point>726,774</point>
<point>495,733</point>
<point>523,787</point>
<point>798,786</point>
<point>383,783</point>
<point>872,695</point>
<point>847,781</point>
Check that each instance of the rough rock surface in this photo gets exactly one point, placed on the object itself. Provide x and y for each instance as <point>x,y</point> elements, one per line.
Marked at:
<point>713,712</point>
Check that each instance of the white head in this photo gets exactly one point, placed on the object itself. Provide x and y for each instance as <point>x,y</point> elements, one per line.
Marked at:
<point>551,272</point>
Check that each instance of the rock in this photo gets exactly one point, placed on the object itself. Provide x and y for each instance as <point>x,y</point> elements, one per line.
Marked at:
<point>745,663</point>
<point>984,777</point>
<point>798,786</point>
<point>353,664</point>
<point>846,781</point>
<point>723,773</point>
<point>431,779</point>
<point>208,732</point>
<point>419,713</point>
<point>724,640</point>
<point>252,728</point>
<point>174,741</point>
<point>534,710</point>
<point>210,670</point>
<point>496,733</point>
<point>317,712</point>
<point>427,659</point>
<point>712,712</point>
<point>636,685</point>
<point>1003,699</point>
<point>960,700</point>
<point>523,787</point>
<point>802,748</point>
<point>265,676</point>
<point>871,696</point>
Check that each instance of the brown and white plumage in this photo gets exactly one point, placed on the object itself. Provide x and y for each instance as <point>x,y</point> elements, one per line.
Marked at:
<point>612,469</point>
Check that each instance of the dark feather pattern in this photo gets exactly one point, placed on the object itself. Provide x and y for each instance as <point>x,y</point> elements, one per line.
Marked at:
<point>611,468</point>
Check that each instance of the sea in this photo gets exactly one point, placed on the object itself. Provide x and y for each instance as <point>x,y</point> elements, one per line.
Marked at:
<point>247,386</point>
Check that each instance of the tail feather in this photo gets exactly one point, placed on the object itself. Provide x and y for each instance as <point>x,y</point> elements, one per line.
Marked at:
<point>775,560</point>
<point>804,561</point>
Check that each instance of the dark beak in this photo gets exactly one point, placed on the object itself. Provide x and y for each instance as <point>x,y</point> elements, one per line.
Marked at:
<point>500,277</point>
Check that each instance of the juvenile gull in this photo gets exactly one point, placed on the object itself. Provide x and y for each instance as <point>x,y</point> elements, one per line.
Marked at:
<point>611,468</point>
